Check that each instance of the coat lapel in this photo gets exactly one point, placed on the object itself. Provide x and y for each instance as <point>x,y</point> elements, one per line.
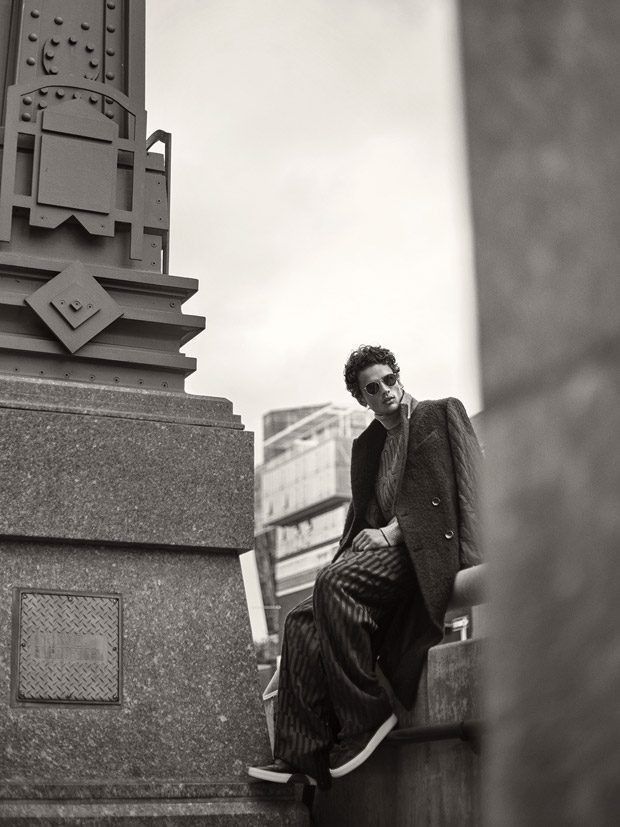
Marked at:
<point>407,425</point>
<point>365,457</point>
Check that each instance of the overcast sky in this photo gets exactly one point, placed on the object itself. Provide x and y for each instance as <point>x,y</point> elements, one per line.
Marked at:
<point>318,192</point>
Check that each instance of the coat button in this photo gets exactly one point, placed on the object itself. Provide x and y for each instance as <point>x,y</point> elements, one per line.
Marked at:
<point>435,501</point>
<point>449,534</point>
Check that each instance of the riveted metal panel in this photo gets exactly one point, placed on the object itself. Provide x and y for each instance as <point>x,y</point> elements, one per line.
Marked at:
<point>90,187</point>
<point>67,647</point>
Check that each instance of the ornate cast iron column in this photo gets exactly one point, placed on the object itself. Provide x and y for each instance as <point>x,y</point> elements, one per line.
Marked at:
<point>128,682</point>
<point>85,290</point>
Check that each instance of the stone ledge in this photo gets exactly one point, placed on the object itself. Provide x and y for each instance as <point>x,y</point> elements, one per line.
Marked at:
<point>125,403</point>
<point>236,812</point>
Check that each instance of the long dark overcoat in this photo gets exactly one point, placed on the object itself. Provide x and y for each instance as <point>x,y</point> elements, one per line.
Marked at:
<point>436,509</point>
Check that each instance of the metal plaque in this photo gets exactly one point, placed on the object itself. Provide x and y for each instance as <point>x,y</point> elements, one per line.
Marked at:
<point>67,647</point>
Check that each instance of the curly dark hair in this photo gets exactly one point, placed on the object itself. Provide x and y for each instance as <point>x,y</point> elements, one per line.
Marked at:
<point>364,357</point>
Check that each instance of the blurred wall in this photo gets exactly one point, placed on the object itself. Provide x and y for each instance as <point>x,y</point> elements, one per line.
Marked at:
<point>543,119</point>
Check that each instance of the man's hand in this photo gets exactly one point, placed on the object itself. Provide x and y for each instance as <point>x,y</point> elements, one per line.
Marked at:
<point>369,538</point>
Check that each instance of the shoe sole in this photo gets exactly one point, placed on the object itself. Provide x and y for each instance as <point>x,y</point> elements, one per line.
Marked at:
<point>368,750</point>
<point>281,777</point>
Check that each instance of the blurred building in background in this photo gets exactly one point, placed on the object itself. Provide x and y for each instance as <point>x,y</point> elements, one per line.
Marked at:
<point>302,493</point>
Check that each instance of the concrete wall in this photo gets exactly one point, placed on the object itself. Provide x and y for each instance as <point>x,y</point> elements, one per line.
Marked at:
<point>403,783</point>
<point>543,119</point>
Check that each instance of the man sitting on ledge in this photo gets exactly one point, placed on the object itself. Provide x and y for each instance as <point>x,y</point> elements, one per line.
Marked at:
<point>410,527</point>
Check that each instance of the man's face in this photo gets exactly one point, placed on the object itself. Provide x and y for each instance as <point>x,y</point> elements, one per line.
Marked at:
<point>386,399</point>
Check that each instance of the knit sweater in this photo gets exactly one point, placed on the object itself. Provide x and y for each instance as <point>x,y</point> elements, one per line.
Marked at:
<point>380,512</point>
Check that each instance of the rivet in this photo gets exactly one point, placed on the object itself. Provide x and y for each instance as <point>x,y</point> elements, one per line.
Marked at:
<point>70,598</point>
<point>76,96</point>
<point>42,104</point>
<point>109,100</point>
<point>110,52</point>
<point>55,40</point>
<point>93,99</point>
<point>30,61</point>
<point>27,100</point>
<point>58,21</point>
<point>73,40</point>
<point>26,116</point>
<point>67,375</point>
<point>94,63</point>
<point>111,29</point>
<point>140,382</point>
<point>109,75</point>
<point>49,53</point>
<point>43,91</point>
<point>90,47</point>
<point>153,244</point>
<point>60,93</point>
<point>54,70</point>
<point>42,372</point>
<point>35,13</point>
<point>109,113</point>
<point>172,304</point>
<point>86,26</point>
<point>33,36</point>
<point>116,379</point>
<point>92,376</point>
<point>164,384</point>
<point>111,5</point>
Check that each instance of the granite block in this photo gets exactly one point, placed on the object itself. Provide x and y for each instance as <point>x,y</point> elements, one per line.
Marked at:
<point>553,527</point>
<point>191,706</point>
<point>454,676</point>
<point>543,116</point>
<point>449,689</point>
<point>365,796</point>
<point>438,786</point>
<point>99,478</point>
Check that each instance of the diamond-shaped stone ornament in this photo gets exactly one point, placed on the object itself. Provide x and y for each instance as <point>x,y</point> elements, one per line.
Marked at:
<point>74,306</point>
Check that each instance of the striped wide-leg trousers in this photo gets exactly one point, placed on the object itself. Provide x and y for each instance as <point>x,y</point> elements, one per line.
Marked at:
<point>328,687</point>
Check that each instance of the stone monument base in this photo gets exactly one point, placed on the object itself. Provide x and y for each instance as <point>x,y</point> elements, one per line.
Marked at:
<point>146,710</point>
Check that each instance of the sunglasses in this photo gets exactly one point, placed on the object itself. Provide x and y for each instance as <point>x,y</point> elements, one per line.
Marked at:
<point>389,380</point>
